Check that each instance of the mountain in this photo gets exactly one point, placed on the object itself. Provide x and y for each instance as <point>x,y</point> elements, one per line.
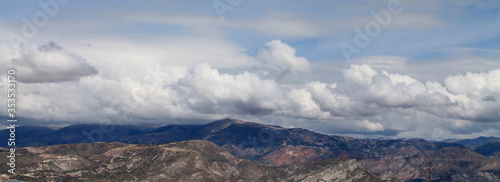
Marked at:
<point>193,160</point>
<point>474,141</point>
<point>491,148</point>
<point>270,145</point>
<point>87,133</point>
<point>28,135</point>
<point>447,164</point>
<point>265,144</point>
<point>277,146</point>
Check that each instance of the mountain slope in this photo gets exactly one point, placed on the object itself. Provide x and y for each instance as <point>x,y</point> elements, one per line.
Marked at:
<point>193,160</point>
<point>447,164</point>
<point>475,141</point>
<point>276,146</point>
<point>265,144</point>
<point>491,148</point>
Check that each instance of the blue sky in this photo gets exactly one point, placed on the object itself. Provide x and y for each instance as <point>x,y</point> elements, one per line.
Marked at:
<point>428,69</point>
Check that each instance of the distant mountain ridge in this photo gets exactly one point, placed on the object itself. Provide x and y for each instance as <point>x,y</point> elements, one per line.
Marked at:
<point>274,146</point>
<point>447,164</point>
<point>248,140</point>
<point>491,148</point>
<point>474,141</point>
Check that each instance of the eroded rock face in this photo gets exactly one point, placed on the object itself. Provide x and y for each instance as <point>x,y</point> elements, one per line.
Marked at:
<point>194,160</point>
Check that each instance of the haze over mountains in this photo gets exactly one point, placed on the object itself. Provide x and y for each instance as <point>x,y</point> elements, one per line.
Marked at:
<point>293,149</point>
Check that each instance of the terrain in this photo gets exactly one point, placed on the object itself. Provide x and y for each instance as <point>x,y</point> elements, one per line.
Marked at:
<point>491,149</point>
<point>265,144</point>
<point>193,160</point>
<point>447,164</point>
<point>274,146</point>
<point>474,141</point>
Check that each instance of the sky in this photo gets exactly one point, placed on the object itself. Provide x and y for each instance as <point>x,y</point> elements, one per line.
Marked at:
<point>363,68</point>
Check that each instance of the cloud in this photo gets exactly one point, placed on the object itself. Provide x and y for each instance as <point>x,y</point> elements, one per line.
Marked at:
<point>362,99</point>
<point>334,101</point>
<point>462,96</point>
<point>208,91</point>
<point>436,76</point>
<point>294,20</point>
<point>480,90</point>
<point>369,126</point>
<point>361,74</point>
<point>281,55</point>
<point>50,63</point>
<point>302,104</point>
<point>478,85</point>
<point>398,78</point>
<point>416,21</point>
<point>469,49</point>
<point>386,98</point>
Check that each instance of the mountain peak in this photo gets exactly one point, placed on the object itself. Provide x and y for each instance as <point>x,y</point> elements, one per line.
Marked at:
<point>228,121</point>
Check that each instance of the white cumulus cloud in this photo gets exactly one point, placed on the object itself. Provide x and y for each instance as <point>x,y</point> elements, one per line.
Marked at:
<point>361,74</point>
<point>369,126</point>
<point>50,63</point>
<point>280,55</point>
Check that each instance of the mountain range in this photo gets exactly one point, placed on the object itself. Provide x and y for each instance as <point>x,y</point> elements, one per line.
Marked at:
<point>474,141</point>
<point>288,152</point>
<point>193,160</point>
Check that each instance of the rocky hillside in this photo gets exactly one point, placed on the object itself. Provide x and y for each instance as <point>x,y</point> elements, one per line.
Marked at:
<point>265,144</point>
<point>194,160</point>
<point>447,164</point>
<point>490,149</point>
<point>269,145</point>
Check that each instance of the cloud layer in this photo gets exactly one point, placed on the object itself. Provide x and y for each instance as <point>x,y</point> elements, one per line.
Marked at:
<point>177,61</point>
<point>50,63</point>
<point>363,100</point>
